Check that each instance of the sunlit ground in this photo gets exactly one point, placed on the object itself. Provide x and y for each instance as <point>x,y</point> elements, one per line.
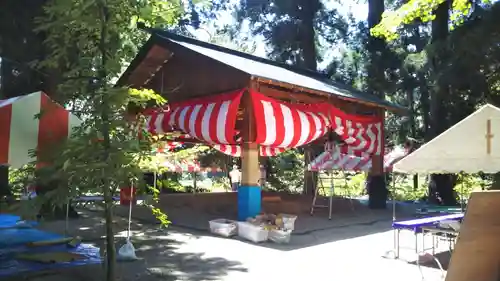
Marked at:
<point>356,258</point>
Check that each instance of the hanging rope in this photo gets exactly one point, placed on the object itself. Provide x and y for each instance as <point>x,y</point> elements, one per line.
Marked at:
<point>130,211</point>
<point>67,218</point>
<point>127,251</point>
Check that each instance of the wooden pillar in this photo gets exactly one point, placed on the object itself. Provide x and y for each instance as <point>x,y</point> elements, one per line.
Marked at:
<point>249,193</point>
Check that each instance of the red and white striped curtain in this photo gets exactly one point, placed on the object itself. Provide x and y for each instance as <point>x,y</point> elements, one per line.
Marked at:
<point>335,159</point>
<point>211,120</point>
<point>279,125</point>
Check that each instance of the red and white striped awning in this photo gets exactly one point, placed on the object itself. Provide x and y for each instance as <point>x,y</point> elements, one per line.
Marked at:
<point>279,125</point>
<point>211,120</point>
<point>21,131</point>
<point>286,125</point>
<point>336,160</point>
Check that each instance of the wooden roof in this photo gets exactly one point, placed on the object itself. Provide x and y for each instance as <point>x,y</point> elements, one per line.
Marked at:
<point>184,68</point>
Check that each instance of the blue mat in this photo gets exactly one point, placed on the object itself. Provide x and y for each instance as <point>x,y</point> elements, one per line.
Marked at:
<point>8,221</point>
<point>93,198</point>
<point>14,237</point>
<point>9,266</point>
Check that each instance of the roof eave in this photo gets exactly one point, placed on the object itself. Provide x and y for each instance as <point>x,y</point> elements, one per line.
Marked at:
<point>141,55</point>
<point>387,106</point>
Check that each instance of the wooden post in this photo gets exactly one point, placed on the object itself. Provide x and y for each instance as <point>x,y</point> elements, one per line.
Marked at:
<point>249,193</point>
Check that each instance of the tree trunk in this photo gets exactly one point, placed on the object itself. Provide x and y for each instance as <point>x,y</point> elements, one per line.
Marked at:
<point>376,184</point>
<point>441,187</point>
<point>308,45</point>
<point>307,34</point>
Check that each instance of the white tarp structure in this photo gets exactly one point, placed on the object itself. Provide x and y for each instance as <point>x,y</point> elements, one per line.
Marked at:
<point>470,146</point>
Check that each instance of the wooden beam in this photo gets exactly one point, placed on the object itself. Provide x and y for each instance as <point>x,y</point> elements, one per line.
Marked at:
<point>152,63</point>
<point>295,88</point>
<point>301,97</point>
<point>286,95</point>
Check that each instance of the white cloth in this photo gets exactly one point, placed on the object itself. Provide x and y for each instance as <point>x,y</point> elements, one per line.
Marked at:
<point>235,176</point>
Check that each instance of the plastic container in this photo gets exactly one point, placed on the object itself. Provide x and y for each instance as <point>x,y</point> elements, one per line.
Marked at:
<point>125,196</point>
<point>223,227</point>
<point>288,221</point>
<point>252,232</point>
<point>280,236</point>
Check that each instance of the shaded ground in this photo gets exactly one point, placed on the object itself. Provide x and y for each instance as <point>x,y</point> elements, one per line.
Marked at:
<point>441,259</point>
<point>160,252</point>
<point>193,212</point>
<point>348,247</point>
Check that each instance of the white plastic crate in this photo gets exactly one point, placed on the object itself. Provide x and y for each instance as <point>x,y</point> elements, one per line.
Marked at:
<point>288,221</point>
<point>223,227</point>
<point>280,236</point>
<point>252,232</point>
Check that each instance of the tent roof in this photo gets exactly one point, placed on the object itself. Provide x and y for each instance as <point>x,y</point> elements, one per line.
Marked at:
<point>461,148</point>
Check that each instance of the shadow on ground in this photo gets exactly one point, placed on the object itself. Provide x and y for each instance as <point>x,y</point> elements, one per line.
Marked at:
<point>157,249</point>
<point>309,230</point>
<point>443,258</point>
<point>164,261</point>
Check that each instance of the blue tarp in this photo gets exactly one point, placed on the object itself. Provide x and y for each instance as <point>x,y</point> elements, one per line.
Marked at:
<point>13,237</point>
<point>9,266</point>
<point>94,198</point>
<point>7,221</point>
<point>13,241</point>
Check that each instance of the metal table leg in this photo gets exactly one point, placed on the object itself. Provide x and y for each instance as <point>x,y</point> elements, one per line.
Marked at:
<point>415,234</point>
<point>396,246</point>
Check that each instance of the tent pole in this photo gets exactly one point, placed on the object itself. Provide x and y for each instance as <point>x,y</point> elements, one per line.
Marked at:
<point>331,195</point>
<point>154,180</point>
<point>462,196</point>
<point>395,234</point>
<point>195,187</point>
<point>393,201</point>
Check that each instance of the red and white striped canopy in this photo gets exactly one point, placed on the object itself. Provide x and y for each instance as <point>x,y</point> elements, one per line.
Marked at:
<point>21,131</point>
<point>336,160</point>
<point>279,125</point>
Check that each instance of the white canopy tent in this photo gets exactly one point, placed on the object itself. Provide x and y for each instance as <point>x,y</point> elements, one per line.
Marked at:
<point>472,145</point>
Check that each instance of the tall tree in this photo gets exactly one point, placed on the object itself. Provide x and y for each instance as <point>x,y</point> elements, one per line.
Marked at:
<point>441,185</point>
<point>292,30</point>
<point>20,46</point>
<point>376,48</point>
<point>104,153</point>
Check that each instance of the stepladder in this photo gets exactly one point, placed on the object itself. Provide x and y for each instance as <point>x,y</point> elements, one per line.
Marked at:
<point>326,189</point>
<point>322,190</point>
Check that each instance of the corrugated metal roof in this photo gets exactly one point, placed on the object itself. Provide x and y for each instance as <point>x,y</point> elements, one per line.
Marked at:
<point>267,69</point>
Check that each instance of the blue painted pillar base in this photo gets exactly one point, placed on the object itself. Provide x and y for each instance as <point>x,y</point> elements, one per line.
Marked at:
<point>249,202</point>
